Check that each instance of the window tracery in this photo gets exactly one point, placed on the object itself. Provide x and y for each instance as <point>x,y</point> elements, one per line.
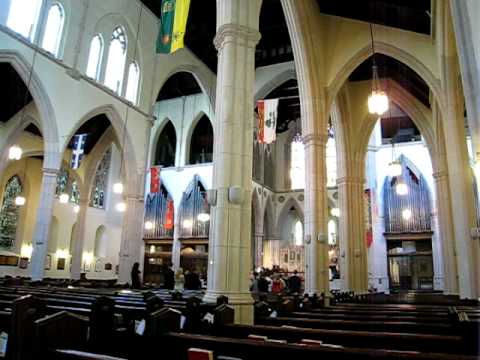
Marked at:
<point>100,183</point>
<point>9,213</point>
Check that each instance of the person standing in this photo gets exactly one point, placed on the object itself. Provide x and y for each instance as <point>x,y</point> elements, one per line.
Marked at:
<point>135,276</point>
<point>295,283</point>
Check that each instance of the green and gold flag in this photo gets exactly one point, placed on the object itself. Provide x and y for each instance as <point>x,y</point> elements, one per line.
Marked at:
<point>173,23</point>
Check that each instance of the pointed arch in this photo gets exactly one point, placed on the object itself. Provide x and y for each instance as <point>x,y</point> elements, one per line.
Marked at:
<point>130,163</point>
<point>165,145</point>
<point>200,140</point>
<point>291,202</point>
<point>101,242</point>
<point>47,122</point>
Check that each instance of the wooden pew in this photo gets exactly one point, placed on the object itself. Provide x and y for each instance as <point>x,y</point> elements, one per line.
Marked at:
<point>176,345</point>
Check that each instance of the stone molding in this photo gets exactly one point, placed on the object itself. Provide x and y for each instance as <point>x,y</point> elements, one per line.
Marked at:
<point>50,172</point>
<point>232,32</point>
<point>440,175</point>
<point>354,180</point>
<point>315,139</point>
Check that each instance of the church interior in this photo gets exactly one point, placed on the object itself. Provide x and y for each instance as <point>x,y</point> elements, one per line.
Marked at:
<point>237,179</point>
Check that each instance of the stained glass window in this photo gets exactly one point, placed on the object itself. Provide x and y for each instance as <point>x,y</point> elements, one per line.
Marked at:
<point>74,193</point>
<point>298,233</point>
<point>100,183</point>
<point>9,213</point>
<point>62,182</point>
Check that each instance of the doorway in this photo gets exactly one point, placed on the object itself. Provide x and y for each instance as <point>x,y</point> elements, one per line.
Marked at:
<point>410,264</point>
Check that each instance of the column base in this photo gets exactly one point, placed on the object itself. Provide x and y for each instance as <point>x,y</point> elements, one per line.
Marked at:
<point>241,302</point>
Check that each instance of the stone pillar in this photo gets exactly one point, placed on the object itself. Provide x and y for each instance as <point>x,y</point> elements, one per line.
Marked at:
<point>462,201</point>
<point>445,233</point>
<point>79,237</point>
<point>259,249</point>
<point>132,231</point>
<point>352,231</point>
<point>230,227</point>
<point>177,245</point>
<point>42,225</point>
<point>316,217</point>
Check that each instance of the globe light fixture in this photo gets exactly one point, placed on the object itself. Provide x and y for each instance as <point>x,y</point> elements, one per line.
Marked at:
<point>121,207</point>
<point>64,198</point>
<point>378,102</point>
<point>401,188</point>
<point>26,251</point>
<point>20,200</point>
<point>203,217</point>
<point>335,212</point>
<point>118,188</point>
<point>76,209</point>
<point>149,225</point>
<point>406,214</point>
<point>15,153</point>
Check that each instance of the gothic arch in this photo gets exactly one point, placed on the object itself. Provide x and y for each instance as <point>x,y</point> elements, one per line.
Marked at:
<point>190,132</point>
<point>156,139</point>
<point>47,121</point>
<point>117,123</point>
<point>291,202</point>
<point>277,80</point>
<point>394,52</point>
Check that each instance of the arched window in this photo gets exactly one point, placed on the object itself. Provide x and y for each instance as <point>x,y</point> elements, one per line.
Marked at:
<point>116,60</point>
<point>331,162</point>
<point>132,84</point>
<point>23,17</point>
<point>53,29</point>
<point>100,250</point>
<point>95,57</point>
<point>201,146</point>
<point>9,213</point>
<point>298,231</point>
<point>297,163</point>
<point>332,232</point>
<point>100,183</point>
<point>62,182</point>
<point>166,146</point>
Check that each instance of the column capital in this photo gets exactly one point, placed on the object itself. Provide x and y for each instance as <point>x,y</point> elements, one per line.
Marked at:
<point>358,180</point>
<point>134,197</point>
<point>315,139</point>
<point>230,32</point>
<point>440,175</point>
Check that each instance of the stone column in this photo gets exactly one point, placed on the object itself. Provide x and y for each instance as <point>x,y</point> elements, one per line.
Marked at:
<point>446,237</point>
<point>460,196</point>
<point>230,227</point>
<point>177,245</point>
<point>259,249</point>
<point>79,237</point>
<point>42,225</point>
<point>316,217</point>
<point>352,231</point>
<point>132,231</point>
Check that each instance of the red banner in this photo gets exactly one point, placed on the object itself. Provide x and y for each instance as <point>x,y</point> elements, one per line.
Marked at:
<point>368,217</point>
<point>169,216</point>
<point>154,180</point>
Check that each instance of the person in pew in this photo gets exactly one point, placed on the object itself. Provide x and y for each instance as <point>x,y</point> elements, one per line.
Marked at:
<point>278,284</point>
<point>263,284</point>
<point>179,280</point>
<point>295,283</point>
<point>169,277</point>
<point>254,283</point>
<point>135,276</point>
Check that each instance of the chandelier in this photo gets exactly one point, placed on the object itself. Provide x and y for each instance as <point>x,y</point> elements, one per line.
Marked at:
<point>378,102</point>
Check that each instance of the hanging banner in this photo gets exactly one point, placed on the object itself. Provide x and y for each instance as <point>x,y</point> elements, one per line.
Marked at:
<point>173,24</point>
<point>78,150</point>
<point>267,120</point>
<point>169,216</point>
<point>154,180</point>
<point>368,217</point>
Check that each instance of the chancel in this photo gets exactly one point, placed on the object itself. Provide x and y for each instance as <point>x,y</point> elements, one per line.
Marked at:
<point>239,179</point>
